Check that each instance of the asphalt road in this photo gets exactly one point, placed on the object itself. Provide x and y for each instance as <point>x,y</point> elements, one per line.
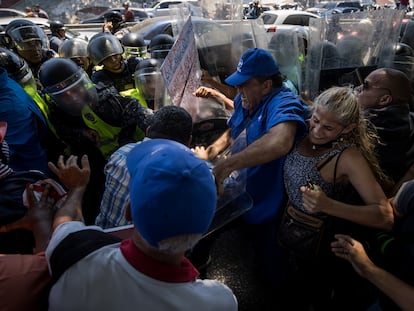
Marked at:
<point>234,266</point>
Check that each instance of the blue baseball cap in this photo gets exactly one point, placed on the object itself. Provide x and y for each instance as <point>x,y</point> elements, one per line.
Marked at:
<point>253,63</point>
<point>172,192</point>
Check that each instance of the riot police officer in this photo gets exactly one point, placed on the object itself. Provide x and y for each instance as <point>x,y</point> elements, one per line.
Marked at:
<point>134,45</point>
<point>150,84</point>
<point>58,35</point>
<point>160,45</point>
<point>105,50</point>
<point>114,24</point>
<point>76,49</point>
<point>30,42</point>
<point>91,119</point>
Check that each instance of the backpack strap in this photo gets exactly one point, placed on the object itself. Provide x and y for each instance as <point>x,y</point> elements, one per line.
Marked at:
<point>76,246</point>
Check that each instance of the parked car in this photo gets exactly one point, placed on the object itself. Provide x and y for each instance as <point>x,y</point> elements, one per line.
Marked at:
<point>139,14</point>
<point>85,33</point>
<point>7,12</point>
<point>162,8</point>
<point>274,18</point>
<point>328,5</point>
<point>340,10</point>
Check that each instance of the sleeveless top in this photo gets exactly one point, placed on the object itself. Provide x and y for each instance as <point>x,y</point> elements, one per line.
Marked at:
<point>299,170</point>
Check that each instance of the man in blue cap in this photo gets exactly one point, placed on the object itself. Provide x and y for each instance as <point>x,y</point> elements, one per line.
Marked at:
<point>172,203</point>
<point>267,119</point>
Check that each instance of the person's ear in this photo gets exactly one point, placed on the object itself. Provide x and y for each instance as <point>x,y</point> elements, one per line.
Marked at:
<point>267,86</point>
<point>385,100</point>
<point>128,215</point>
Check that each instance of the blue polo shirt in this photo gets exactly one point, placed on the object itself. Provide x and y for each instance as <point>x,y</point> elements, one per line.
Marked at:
<point>265,182</point>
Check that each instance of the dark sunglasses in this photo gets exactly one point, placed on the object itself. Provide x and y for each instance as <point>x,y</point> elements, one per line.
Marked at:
<point>366,86</point>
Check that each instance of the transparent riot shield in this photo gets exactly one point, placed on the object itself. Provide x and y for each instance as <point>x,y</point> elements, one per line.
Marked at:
<point>235,201</point>
<point>345,47</point>
<point>288,48</point>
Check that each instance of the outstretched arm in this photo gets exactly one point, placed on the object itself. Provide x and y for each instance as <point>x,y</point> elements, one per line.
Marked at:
<point>349,249</point>
<point>76,179</point>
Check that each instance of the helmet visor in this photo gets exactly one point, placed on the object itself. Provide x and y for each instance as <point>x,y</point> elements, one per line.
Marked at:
<point>29,38</point>
<point>135,51</point>
<point>149,83</point>
<point>74,93</point>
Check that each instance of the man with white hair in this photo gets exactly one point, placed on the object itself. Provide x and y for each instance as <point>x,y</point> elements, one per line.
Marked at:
<point>172,203</point>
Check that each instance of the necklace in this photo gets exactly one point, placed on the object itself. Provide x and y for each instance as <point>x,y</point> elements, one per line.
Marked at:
<point>327,145</point>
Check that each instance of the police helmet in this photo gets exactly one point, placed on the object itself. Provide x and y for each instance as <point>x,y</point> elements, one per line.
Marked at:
<point>160,45</point>
<point>67,84</point>
<point>148,79</point>
<point>56,26</point>
<point>23,34</point>
<point>15,66</point>
<point>75,47</point>
<point>113,16</point>
<point>134,44</point>
<point>102,46</point>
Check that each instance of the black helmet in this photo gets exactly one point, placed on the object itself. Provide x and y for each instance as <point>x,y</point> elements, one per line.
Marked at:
<point>15,66</point>
<point>160,45</point>
<point>56,25</point>
<point>113,16</point>
<point>22,33</point>
<point>148,79</point>
<point>134,44</point>
<point>67,84</point>
<point>74,47</point>
<point>102,46</point>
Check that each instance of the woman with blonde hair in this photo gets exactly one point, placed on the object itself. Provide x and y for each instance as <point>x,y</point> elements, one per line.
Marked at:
<point>334,157</point>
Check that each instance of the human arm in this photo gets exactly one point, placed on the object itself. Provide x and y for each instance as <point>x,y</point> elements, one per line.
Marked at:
<point>351,250</point>
<point>76,179</point>
<point>227,90</point>
<point>207,92</point>
<point>38,219</point>
<point>277,142</point>
<point>212,151</point>
<point>352,166</point>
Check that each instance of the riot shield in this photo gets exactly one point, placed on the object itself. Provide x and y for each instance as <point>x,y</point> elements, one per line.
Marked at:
<point>288,48</point>
<point>345,47</point>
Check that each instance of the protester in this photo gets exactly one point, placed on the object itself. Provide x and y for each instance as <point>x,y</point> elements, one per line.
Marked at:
<point>267,117</point>
<point>29,12</point>
<point>392,274</point>
<point>320,173</point>
<point>40,12</point>
<point>25,275</point>
<point>169,122</point>
<point>128,15</point>
<point>173,199</point>
<point>26,126</point>
<point>385,97</point>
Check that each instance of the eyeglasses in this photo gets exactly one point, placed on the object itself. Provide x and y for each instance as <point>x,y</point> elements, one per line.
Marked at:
<point>366,86</point>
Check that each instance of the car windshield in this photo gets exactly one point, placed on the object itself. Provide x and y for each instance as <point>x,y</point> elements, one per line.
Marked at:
<point>154,4</point>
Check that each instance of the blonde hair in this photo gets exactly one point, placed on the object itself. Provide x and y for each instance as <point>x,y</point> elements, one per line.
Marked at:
<point>343,103</point>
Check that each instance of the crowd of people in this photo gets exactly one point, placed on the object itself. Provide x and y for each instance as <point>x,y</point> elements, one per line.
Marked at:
<point>91,141</point>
